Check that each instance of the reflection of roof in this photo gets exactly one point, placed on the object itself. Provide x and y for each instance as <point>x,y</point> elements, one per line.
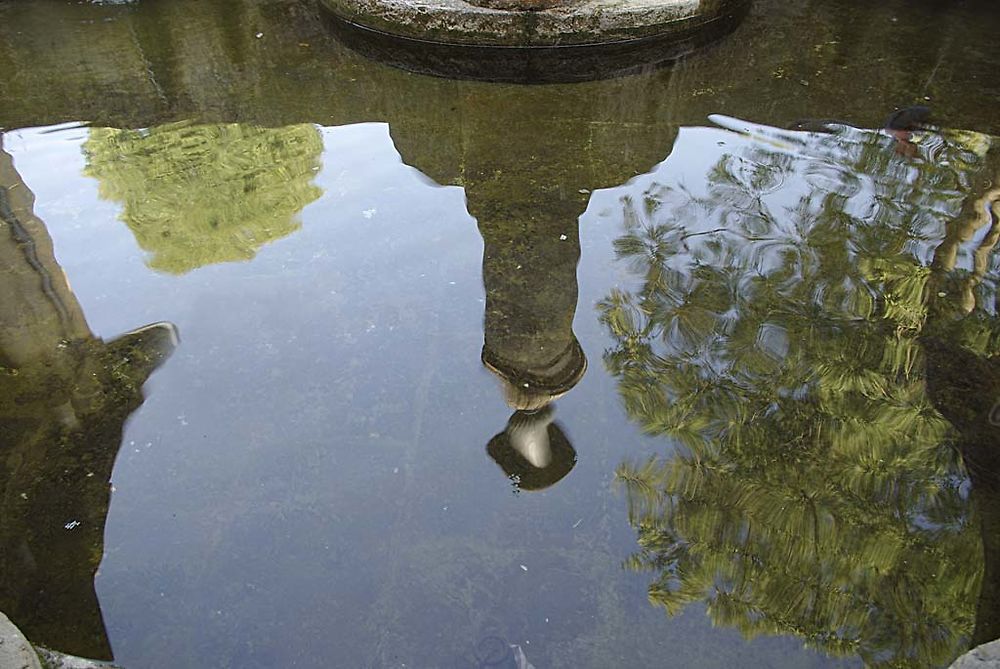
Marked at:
<point>527,389</point>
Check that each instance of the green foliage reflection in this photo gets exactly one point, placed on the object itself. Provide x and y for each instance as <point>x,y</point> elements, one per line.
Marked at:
<point>774,334</point>
<point>200,194</point>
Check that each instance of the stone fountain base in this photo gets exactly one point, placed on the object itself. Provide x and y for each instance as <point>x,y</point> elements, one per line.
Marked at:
<point>532,23</point>
<point>531,41</point>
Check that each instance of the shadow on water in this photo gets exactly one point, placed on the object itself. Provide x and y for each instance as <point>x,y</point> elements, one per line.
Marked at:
<point>813,328</point>
<point>64,396</point>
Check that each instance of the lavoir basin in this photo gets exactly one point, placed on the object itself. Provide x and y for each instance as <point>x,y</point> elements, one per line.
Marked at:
<point>311,360</point>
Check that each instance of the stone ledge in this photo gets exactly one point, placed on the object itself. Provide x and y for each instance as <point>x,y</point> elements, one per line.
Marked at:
<point>590,22</point>
<point>15,651</point>
<point>986,656</point>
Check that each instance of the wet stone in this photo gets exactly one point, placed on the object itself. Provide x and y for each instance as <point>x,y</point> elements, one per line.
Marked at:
<point>532,23</point>
<point>985,656</point>
<point>15,651</point>
<point>56,660</point>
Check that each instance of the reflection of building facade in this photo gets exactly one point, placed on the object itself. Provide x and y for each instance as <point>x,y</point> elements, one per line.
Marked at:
<point>64,397</point>
<point>527,216</point>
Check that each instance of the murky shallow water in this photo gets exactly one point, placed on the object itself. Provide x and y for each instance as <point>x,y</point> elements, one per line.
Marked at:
<point>460,361</point>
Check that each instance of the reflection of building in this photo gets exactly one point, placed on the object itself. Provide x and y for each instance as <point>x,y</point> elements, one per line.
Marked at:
<point>64,397</point>
<point>527,211</point>
<point>529,272</point>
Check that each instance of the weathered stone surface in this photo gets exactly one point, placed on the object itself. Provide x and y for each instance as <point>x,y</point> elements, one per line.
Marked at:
<point>54,660</point>
<point>520,5</point>
<point>15,651</point>
<point>531,23</point>
<point>986,656</point>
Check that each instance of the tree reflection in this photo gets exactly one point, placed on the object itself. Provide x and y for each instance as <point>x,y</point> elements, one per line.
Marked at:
<point>199,194</point>
<point>776,334</point>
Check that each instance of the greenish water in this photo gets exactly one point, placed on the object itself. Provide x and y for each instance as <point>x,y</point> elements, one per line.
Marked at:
<point>620,372</point>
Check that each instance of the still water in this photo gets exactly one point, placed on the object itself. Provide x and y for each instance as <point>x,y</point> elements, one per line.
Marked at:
<point>444,373</point>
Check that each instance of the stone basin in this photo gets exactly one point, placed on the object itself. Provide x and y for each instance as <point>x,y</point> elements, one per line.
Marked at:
<point>531,41</point>
<point>533,23</point>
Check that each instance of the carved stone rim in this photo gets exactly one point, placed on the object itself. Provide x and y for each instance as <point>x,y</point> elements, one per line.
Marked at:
<point>589,22</point>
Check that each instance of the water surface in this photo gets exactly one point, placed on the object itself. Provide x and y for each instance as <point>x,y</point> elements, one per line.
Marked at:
<point>455,366</point>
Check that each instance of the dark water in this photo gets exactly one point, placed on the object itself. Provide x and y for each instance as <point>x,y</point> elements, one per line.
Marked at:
<point>449,366</point>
